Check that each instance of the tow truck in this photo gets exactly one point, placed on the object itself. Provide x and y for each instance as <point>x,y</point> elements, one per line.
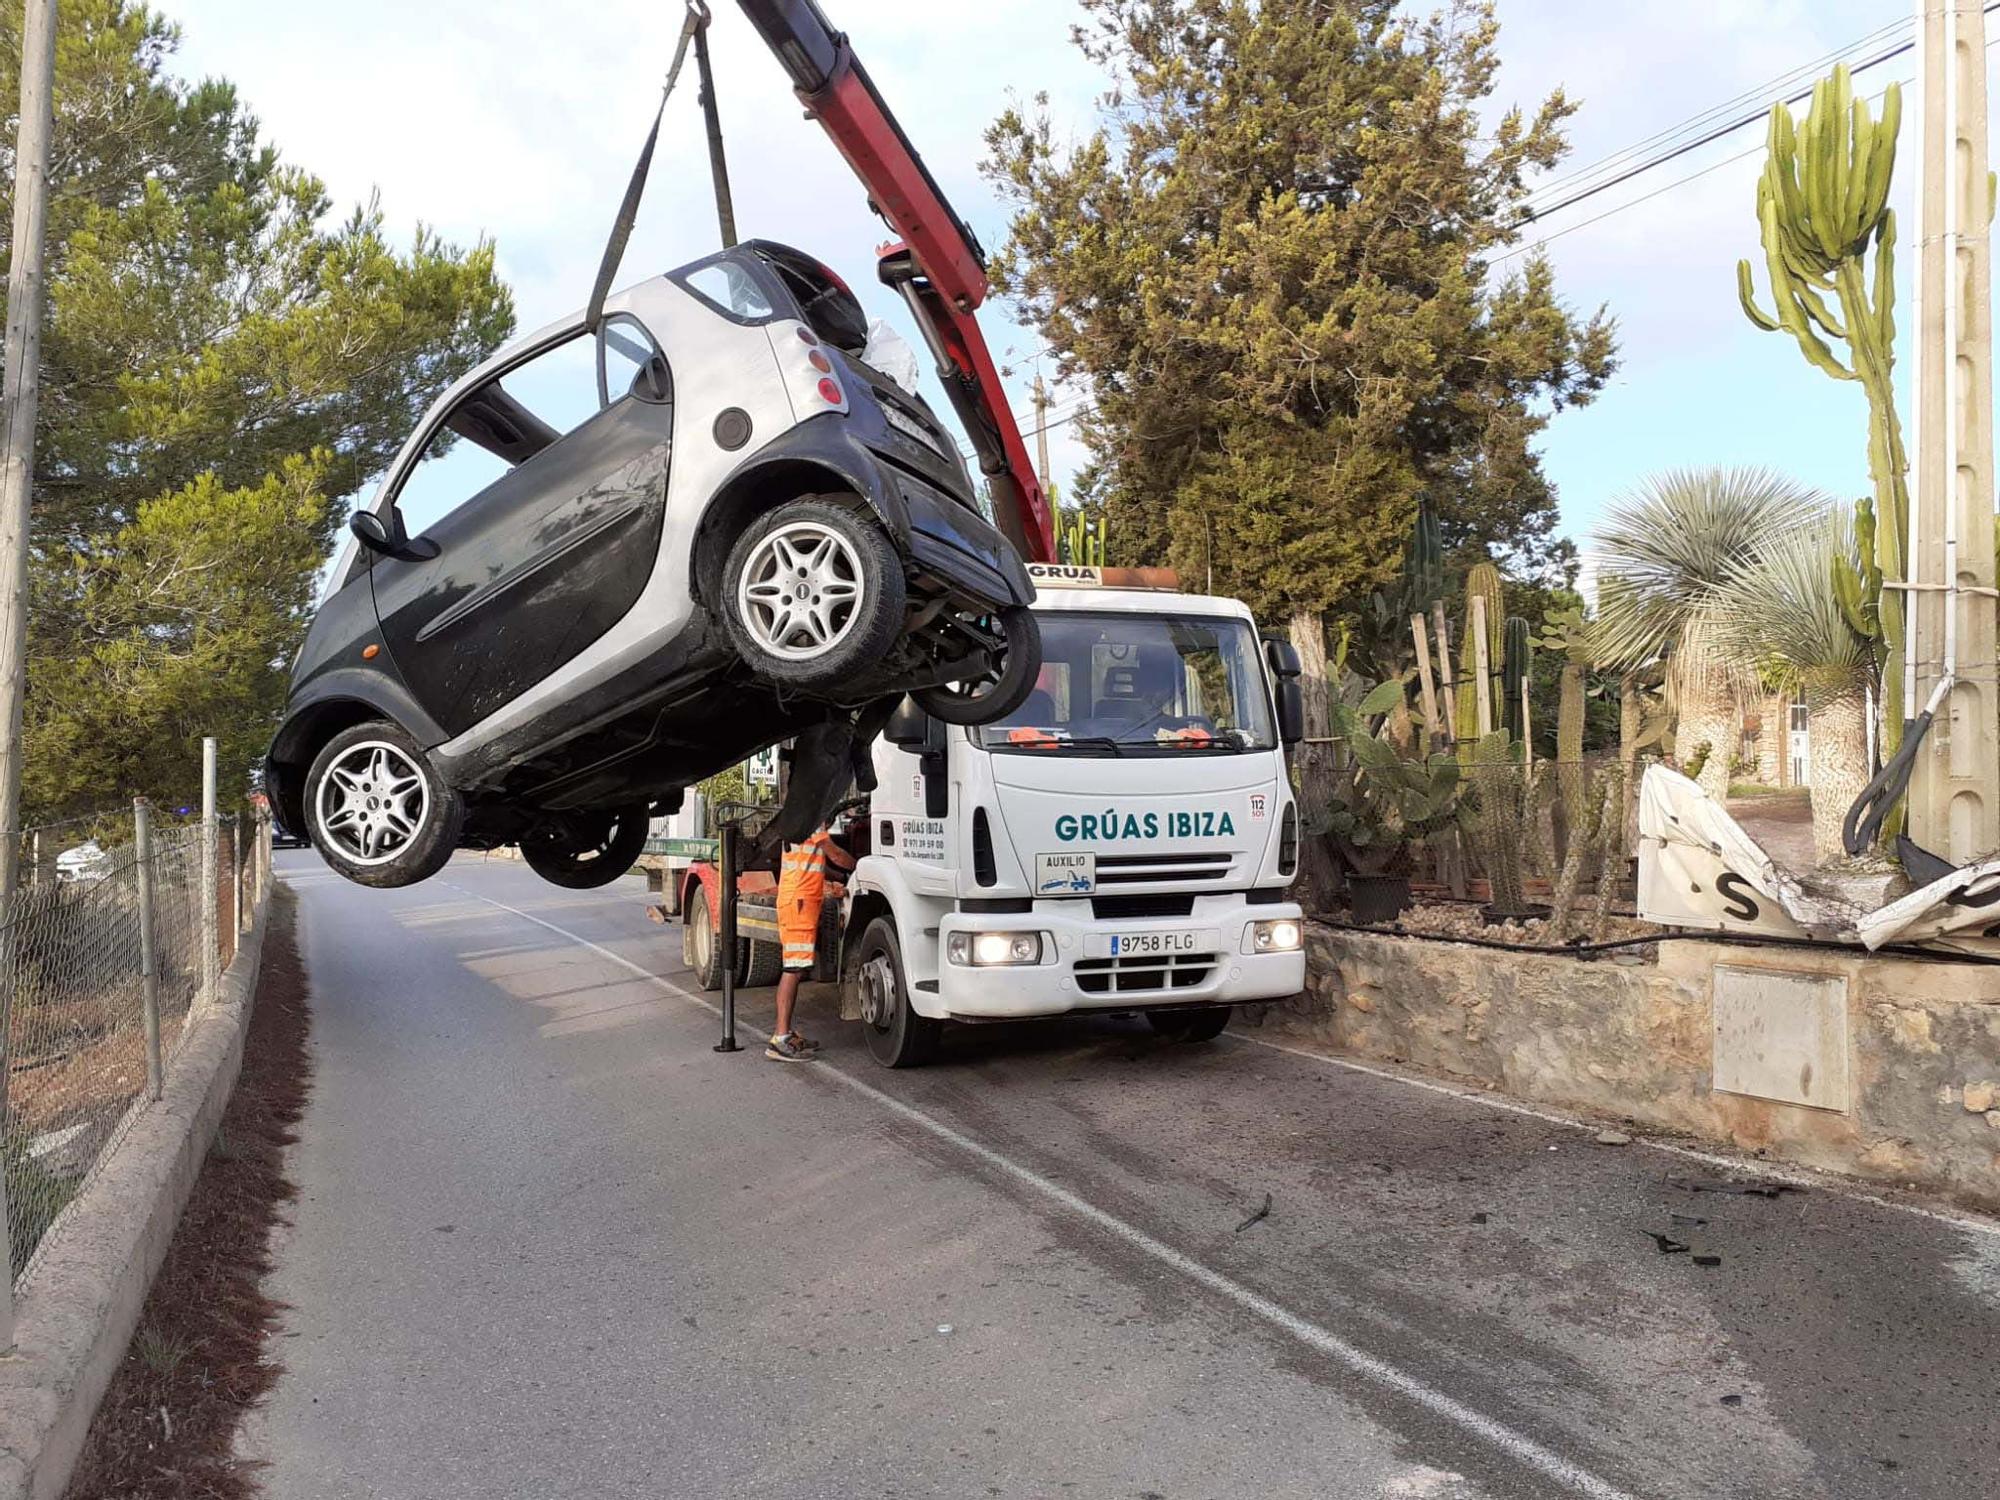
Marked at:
<point>1123,842</point>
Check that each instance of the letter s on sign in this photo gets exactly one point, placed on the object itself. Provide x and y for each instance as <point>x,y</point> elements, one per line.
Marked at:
<point>1735,892</point>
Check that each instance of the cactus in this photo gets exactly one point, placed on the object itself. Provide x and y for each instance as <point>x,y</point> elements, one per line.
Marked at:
<point>1483,580</point>
<point>1080,541</point>
<point>1423,561</point>
<point>1516,664</point>
<point>1822,201</point>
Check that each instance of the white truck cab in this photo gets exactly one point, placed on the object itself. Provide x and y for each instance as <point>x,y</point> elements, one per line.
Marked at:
<point>1123,841</point>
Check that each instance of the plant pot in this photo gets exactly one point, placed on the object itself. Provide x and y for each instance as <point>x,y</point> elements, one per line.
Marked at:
<point>1530,911</point>
<point>1377,898</point>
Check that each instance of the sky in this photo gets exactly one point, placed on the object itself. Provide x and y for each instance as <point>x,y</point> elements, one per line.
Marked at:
<point>519,120</point>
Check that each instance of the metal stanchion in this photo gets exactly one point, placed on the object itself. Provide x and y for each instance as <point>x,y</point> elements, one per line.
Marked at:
<point>149,958</point>
<point>726,858</point>
<point>211,894</point>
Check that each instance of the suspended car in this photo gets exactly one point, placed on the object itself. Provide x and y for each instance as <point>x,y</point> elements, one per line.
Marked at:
<point>613,561</point>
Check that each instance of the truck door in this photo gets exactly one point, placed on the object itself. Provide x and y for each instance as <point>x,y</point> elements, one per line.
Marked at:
<point>556,531</point>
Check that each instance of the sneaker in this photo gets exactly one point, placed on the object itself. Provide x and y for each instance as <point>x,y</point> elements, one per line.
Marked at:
<point>804,1043</point>
<point>787,1049</point>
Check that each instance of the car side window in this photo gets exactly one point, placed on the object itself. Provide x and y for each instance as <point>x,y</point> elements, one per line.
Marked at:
<point>497,427</point>
<point>730,288</point>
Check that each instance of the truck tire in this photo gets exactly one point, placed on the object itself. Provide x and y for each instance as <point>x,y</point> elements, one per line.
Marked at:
<point>701,944</point>
<point>897,1036</point>
<point>1201,1024</point>
<point>377,810</point>
<point>999,693</point>
<point>812,595</point>
<point>762,964</point>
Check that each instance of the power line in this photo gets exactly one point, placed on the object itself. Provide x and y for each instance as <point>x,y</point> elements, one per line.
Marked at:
<point>1695,122</point>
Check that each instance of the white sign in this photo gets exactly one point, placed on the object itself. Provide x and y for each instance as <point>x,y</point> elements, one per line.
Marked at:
<point>761,769</point>
<point>1066,575</point>
<point>923,838</point>
<point>1260,806</point>
<point>1068,874</point>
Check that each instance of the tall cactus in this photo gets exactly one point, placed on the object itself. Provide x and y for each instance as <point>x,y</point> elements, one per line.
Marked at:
<point>1822,202</point>
<point>1423,561</point>
<point>1514,670</point>
<point>1081,538</point>
<point>1483,581</point>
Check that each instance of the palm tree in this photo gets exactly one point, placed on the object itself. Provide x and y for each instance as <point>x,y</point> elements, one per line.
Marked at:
<point>1778,615</point>
<point>1663,552</point>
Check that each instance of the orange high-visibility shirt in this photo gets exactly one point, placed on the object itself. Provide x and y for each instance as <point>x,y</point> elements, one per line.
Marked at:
<point>802,891</point>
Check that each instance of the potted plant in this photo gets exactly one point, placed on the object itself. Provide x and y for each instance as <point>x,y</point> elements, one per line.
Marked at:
<point>1391,796</point>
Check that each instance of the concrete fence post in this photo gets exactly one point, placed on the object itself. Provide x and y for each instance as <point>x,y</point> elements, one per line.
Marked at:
<point>149,958</point>
<point>211,895</point>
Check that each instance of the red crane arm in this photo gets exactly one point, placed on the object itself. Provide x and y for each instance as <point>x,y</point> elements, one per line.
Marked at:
<point>938,267</point>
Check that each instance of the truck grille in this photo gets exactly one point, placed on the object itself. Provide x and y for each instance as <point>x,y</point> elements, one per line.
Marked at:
<point>1136,869</point>
<point>1129,976</point>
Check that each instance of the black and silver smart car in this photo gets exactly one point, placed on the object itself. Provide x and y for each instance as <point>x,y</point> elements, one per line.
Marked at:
<point>706,526</point>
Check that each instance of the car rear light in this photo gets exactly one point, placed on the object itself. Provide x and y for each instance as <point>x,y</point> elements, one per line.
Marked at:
<point>811,372</point>
<point>820,362</point>
<point>807,336</point>
<point>830,391</point>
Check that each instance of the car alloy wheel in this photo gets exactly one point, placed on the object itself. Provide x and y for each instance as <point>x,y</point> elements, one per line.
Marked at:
<point>798,595</point>
<point>372,802</point>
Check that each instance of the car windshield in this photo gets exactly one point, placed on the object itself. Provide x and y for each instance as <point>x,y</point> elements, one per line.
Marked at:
<point>1130,684</point>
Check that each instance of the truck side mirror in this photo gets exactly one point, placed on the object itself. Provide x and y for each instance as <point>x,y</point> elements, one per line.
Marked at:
<point>1284,664</point>
<point>910,728</point>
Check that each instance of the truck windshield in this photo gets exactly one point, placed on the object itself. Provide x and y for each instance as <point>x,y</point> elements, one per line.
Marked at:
<point>1127,684</point>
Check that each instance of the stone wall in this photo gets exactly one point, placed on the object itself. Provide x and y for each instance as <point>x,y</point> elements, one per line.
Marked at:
<point>1636,1040</point>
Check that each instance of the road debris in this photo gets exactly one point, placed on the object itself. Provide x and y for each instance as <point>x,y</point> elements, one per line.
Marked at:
<point>1479,1218</point>
<point>1757,1189</point>
<point>1263,1212</point>
<point>1708,1258</point>
<point>1613,1138</point>
<point>1667,1244</point>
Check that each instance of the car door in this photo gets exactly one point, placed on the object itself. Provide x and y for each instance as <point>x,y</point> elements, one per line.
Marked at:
<point>515,581</point>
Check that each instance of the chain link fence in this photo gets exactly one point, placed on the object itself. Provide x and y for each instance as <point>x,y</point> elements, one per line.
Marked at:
<point>120,927</point>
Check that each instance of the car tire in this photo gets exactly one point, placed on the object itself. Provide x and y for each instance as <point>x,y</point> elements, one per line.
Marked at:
<point>897,1036</point>
<point>701,943</point>
<point>999,693</point>
<point>377,809</point>
<point>812,595</point>
<point>762,964</point>
<point>582,851</point>
<point>1201,1024</point>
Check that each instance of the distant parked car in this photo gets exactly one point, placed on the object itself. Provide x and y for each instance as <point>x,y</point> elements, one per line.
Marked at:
<point>83,864</point>
<point>744,533</point>
<point>282,836</point>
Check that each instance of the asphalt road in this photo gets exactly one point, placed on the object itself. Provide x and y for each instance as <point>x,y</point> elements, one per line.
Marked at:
<point>549,1244</point>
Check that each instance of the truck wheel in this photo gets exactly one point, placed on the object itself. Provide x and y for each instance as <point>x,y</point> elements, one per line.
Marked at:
<point>1001,690</point>
<point>378,810</point>
<point>897,1036</point>
<point>1204,1024</point>
<point>812,595</point>
<point>581,851</point>
<point>762,964</point>
<point>701,944</point>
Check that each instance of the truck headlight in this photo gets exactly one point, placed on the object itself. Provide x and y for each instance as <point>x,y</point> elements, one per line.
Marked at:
<point>989,950</point>
<point>1279,935</point>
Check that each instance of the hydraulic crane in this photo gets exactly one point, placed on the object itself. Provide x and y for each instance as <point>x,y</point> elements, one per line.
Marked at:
<point>936,264</point>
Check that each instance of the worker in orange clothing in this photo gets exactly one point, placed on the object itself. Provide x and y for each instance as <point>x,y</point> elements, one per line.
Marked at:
<point>801,895</point>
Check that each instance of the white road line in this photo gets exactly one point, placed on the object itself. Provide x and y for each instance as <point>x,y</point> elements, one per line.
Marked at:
<point>1802,1177</point>
<point>1517,1445</point>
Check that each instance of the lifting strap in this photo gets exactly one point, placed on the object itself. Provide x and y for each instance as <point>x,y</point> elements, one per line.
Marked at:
<point>628,210</point>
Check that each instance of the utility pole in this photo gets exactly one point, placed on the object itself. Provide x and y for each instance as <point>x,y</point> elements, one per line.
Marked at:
<point>1954,798</point>
<point>19,397</point>
<point>1041,432</point>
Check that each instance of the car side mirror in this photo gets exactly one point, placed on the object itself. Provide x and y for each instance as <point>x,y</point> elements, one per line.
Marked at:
<point>910,728</point>
<point>374,533</point>
<point>1284,663</point>
<point>387,538</point>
